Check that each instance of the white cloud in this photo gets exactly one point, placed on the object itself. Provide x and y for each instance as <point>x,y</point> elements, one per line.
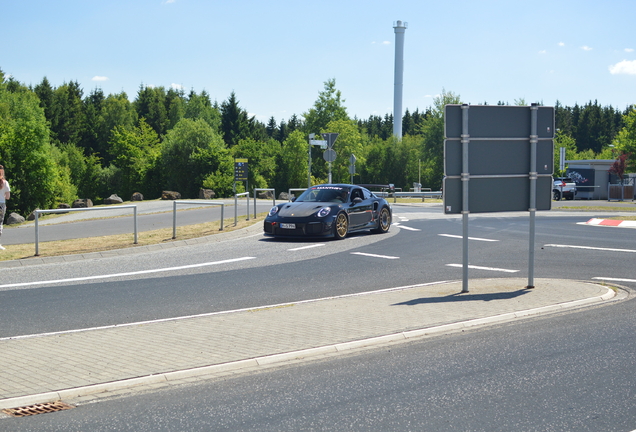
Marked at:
<point>543,52</point>
<point>381,43</point>
<point>586,48</point>
<point>99,78</point>
<point>176,86</point>
<point>629,49</point>
<point>625,67</point>
<point>561,44</point>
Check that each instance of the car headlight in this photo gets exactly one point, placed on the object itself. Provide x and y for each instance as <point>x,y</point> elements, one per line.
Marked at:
<point>273,211</point>
<point>323,212</point>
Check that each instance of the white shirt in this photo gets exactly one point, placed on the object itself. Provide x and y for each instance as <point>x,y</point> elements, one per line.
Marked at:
<point>5,188</point>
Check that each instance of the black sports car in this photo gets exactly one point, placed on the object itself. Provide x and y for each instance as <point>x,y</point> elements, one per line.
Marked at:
<point>329,210</point>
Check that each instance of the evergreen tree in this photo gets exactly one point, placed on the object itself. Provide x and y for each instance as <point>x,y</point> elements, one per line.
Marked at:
<point>199,106</point>
<point>68,122</point>
<point>151,104</point>
<point>92,110</point>
<point>235,124</point>
<point>45,93</point>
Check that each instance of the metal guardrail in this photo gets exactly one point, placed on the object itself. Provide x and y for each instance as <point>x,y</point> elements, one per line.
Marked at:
<point>38,212</point>
<point>174,212</point>
<point>289,191</point>
<point>433,194</point>
<point>258,189</point>
<point>247,194</point>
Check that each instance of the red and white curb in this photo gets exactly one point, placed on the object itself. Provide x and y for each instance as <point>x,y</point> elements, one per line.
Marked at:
<point>611,223</point>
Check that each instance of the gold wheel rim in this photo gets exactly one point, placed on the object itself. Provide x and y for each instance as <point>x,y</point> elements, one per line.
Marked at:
<point>385,219</point>
<point>341,225</point>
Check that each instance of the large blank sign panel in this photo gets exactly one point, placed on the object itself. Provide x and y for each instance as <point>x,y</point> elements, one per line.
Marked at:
<point>499,153</point>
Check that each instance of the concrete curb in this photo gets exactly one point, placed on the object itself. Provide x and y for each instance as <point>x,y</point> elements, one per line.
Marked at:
<point>611,223</point>
<point>269,360</point>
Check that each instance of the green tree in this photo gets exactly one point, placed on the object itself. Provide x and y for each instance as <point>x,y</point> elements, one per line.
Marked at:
<point>199,106</point>
<point>68,122</point>
<point>292,162</point>
<point>562,139</point>
<point>432,131</point>
<point>625,141</point>
<point>349,142</point>
<point>86,172</point>
<point>92,112</point>
<point>176,107</point>
<point>328,107</point>
<point>151,104</point>
<point>25,151</point>
<point>137,153</point>
<point>45,93</point>
<point>234,121</point>
<point>116,112</point>
<point>192,154</point>
<point>261,158</point>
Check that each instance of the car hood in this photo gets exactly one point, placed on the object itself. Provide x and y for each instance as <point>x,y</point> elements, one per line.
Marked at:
<point>301,209</point>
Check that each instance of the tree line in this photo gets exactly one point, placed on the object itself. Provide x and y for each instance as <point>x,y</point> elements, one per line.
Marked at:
<point>58,144</point>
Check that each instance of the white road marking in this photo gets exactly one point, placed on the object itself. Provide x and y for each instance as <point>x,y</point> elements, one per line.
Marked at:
<point>484,268</point>
<point>135,273</point>
<point>406,228</point>
<point>590,248</point>
<point>306,247</point>
<point>374,255</point>
<point>615,279</point>
<point>469,238</point>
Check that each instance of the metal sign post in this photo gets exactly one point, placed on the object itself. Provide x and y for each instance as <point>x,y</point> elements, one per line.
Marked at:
<point>352,166</point>
<point>312,141</point>
<point>330,154</point>
<point>495,144</point>
<point>240,174</point>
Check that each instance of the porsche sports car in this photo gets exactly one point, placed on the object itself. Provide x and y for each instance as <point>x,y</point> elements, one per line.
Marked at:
<point>329,210</point>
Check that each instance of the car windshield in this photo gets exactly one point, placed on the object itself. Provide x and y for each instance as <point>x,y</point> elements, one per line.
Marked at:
<point>334,194</point>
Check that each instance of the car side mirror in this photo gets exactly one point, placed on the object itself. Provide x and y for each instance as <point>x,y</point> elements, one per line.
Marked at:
<point>357,200</point>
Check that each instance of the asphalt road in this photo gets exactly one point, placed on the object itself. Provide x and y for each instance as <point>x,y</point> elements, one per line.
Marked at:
<point>199,279</point>
<point>560,372</point>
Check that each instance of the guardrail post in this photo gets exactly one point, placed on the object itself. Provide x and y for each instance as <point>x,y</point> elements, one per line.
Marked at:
<point>258,189</point>
<point>37,234</point>
<point>37,213</point>
<point>174,213</point>
<point>135,223</point>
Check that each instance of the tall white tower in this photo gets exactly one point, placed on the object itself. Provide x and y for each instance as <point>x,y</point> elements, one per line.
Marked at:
<point>399,27</point>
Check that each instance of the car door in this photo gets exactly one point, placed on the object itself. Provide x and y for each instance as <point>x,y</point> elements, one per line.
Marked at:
<point>360,209</point>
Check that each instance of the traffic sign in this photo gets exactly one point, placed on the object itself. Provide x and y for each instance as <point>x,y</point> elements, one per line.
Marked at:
<point>331,138</point>
<point>498,143</point>
<point>240,169</point>
<point>329,155</point>
<point>321,143</point>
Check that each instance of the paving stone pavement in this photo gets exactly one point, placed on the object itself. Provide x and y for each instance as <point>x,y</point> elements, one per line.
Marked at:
<point>64,365</point>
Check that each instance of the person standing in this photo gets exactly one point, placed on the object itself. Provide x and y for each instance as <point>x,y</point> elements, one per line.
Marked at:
<point>5,194</point>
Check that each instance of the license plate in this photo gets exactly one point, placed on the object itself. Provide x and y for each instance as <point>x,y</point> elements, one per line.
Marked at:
<point>288,226</point>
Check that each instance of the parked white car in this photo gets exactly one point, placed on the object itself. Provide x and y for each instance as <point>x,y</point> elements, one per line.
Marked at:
<point>563,187</point>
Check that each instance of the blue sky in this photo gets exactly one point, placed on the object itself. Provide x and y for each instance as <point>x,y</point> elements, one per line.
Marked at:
<point>277,54</point>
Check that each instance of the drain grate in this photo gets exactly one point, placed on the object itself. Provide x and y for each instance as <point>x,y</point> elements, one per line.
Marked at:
<point>42,408</point>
